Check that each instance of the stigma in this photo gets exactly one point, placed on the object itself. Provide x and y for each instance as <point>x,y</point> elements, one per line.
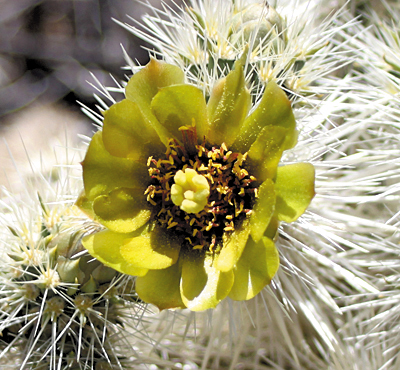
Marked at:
<point>190,191</point>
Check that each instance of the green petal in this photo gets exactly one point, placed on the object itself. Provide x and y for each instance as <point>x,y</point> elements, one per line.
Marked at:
<point>232,248</point>
<point>203,286</point>
<point>122,210</point>
<point>228,107</point>
<point>161,288</point>
<point>179,106</point>
<point>145,84</point>
<point>105,247</point>
<point>127,134</point>
<point>274,110</point>
<point>255,269</point>
<point>153,250</point>
<point>266,151</point>
<point>294,189</point>
<point>103,172</point>
<point>263,210</point>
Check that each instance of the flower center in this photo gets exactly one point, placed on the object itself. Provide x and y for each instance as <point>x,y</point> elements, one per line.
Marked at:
<point>200,193</point>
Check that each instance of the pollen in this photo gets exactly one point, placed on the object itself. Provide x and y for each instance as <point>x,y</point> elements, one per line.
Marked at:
<point>190,191</point>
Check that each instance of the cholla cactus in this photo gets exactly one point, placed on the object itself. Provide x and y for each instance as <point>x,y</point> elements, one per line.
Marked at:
<point>353,157</point>
<point>344,248</point>
<point>375,316</point>
<point>59,307</point>
<point>286,42</point>
<point>379,65</point>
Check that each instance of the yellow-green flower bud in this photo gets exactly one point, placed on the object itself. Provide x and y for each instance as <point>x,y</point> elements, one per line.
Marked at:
<point>261,19</point>
<point>103,274</point>
<point>69,270</point>
<point>90,286</point>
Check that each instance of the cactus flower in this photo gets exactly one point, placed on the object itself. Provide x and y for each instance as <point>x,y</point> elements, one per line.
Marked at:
<point>190,192</point>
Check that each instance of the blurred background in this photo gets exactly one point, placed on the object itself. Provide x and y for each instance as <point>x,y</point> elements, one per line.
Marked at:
<point>48,47</point>
<point>47,50</point>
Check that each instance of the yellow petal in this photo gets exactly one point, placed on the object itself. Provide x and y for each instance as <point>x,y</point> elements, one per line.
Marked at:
<point>161,288</point>
<point>203,286</point>
<point>85,205</point>
<point>145,84</point>
<point>103,172</point>
<point>233,246</point>
<point>272,230</point>
<point>181,106</point>
<point>294,188</point>
<point>266,151</point>
<point>122,210</point>
<point>228,106</point>
<point>127,134</point>
<point>105,246</point>
<point>153,250</point>
<point>274,109</point>
<point>263,210</point>
<point>255,269</point>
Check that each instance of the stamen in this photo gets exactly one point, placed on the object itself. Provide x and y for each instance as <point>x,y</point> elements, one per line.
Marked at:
<point>201,193</point>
